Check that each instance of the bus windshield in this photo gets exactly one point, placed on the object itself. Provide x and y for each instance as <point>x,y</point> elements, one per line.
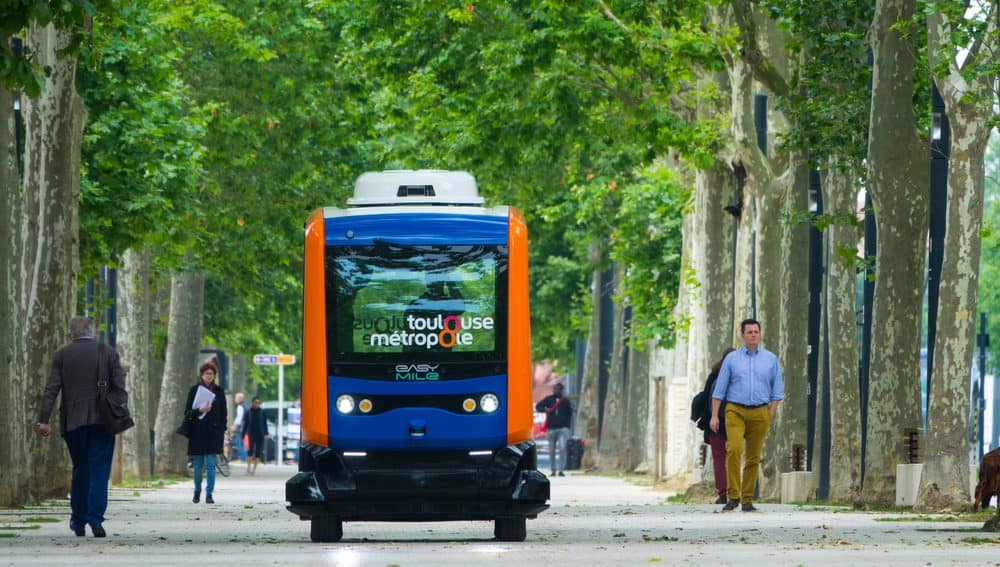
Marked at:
<point>389,299</point>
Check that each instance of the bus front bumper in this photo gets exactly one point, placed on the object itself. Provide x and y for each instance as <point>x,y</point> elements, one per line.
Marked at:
<point>418,486</point>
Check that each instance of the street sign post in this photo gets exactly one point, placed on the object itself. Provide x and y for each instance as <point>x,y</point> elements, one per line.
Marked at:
<point>279,360</point>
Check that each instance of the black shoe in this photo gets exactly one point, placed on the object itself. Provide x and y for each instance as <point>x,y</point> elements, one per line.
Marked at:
<point>748,507</point>
<point>731,505</point>
<point>560,473</point>
<point>721,499</point>
<point>197,497</point>
<point>208,499</point>
<point>552,473</point>
<point>98,530</point>
<point>77,529</point>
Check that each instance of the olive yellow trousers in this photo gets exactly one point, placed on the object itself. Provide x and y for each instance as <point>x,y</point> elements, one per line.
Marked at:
<point>747,425</point>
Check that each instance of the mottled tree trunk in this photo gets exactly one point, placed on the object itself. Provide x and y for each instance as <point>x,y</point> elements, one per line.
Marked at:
<point>158,354</point>
<point>134,346</point>
<point>53,137</point>
<point>709,233</point>
<point>680,458</point>
<point>637,408</point>
<point>944,481</point>
<point>13,451</point>
<point>187,292</point>
<point>898,180</point>
<point>586,423</point>
<point>840,198</point>
<point>788,428</point>
<point>762,175</point>
<point>759,243</point>
<point>711,259</point>
<point>237,383</point>
<point>612,443</point>
<point>758,255</point>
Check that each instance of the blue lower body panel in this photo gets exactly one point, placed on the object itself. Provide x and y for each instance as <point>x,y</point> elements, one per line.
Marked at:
<point>418,426</point>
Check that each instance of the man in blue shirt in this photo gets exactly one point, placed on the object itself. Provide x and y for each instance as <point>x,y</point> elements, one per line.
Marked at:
<point>750,382</point>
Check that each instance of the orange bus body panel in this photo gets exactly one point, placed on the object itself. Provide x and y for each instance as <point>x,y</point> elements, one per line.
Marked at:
<point>519,410</point>
<point>315,422</point>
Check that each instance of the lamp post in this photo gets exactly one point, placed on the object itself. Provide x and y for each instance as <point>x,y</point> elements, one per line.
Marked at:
<point>940,144</point>
<point>16,47</point>
<point>279,360</point>
<point>813,334</point>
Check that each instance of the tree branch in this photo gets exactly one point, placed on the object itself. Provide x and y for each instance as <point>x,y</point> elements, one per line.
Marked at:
<point>750,50</point>
<point>983,38</point>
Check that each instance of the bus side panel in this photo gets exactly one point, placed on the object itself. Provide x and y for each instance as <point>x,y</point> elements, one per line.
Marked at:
<point>315,422</point>
<point>519,410</point>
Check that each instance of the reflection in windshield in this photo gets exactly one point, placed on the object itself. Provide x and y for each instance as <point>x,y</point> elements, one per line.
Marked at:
<point>393,298</point>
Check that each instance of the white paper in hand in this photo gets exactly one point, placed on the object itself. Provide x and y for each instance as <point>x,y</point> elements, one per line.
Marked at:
<point>201,397</point>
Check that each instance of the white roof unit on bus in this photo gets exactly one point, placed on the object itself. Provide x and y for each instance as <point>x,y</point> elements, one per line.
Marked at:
<point>415,187</point>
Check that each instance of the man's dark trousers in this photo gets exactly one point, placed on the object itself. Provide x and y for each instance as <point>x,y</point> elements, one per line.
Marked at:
<point>91,450</point>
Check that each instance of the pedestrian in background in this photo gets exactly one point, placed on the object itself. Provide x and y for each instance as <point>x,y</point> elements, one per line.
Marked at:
<point>237,429</point>
<point>750,382</point>
<point>255,428</point>
<point>208,428</point>
<point>558,417</point>
<point>74,373</point>
<point>716,439</point>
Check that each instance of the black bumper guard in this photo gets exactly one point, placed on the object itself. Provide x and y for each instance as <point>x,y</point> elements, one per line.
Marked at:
<point>410,486</point>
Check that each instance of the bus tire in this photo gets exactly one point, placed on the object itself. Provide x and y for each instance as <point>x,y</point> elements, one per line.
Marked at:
<point>510,528</point>
<point>326,529</point>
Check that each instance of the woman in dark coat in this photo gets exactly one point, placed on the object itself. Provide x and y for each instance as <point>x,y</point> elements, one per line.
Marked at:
<point>208,427</point>
<point>717,439</point>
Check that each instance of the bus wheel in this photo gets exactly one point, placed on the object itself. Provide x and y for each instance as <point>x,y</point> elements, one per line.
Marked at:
<point>510,528</point>
<point>326,529</point>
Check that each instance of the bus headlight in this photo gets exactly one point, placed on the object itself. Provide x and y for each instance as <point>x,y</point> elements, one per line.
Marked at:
<point>489,403</point>
<point>345,404</point>
<point>365,405</point>
<point>469,405</point>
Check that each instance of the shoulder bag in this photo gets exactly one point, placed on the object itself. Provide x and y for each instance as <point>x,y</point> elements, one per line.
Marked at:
<point>112,405</point>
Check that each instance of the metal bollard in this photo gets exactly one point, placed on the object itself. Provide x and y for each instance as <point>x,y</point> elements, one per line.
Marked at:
<point>798,457</point>
<point>912,445</point>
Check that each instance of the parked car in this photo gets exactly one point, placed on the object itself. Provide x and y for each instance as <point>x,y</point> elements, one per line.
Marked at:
<point>292,415</point>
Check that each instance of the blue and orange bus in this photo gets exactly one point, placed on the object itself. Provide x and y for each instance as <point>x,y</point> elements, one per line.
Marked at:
<point>416,386</point>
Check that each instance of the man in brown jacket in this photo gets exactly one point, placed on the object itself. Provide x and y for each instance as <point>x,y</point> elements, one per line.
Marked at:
<point>74,372</point>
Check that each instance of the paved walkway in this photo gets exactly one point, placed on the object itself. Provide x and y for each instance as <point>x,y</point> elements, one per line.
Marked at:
<point>593,521</point>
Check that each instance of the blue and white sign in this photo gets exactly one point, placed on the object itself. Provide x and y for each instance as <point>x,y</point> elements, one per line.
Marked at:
<point>265,359</point>
<point>274,359</point>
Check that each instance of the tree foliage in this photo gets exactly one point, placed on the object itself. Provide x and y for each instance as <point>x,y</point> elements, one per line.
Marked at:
<point>548,105</point>
<point>217,126</point>
<point>16,69</point>
<point>143,145</point>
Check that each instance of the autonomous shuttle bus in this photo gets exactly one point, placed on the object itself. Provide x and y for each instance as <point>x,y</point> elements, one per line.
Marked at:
<point>416,386</point>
